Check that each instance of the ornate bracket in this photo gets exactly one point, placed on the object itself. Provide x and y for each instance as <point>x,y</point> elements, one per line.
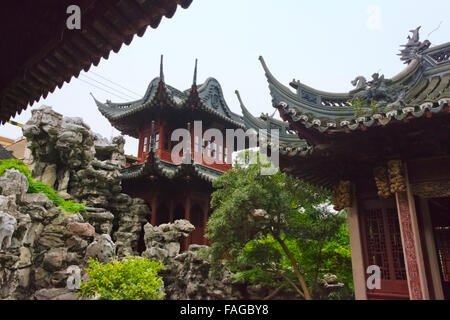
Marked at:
<point>396,176</point>
<point>382,182</point>
<point>342,195</point>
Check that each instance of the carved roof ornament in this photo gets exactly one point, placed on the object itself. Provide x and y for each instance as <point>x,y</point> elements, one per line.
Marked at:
<point>359,82</point>
<point>378,89</point>
<point>420,89</point>
<point>414,47</point>
<point>296,84</point>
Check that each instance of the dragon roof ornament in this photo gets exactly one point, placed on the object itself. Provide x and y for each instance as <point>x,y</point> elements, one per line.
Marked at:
<point>414,47</point>
<point>421,88</point>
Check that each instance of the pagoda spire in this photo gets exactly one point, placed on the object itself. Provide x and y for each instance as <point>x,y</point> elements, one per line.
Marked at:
<point>161,69</point>
<point>194,82</point>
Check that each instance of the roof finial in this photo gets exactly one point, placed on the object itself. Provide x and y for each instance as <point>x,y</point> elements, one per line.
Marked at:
<point>195,73</point>
<point>414,47</point>
<point>161,67</point>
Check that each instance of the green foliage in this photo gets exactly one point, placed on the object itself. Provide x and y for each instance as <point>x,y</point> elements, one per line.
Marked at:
<point>40,187</point>
<point>14,164</point>
<point>263,255</point>
<point>360,106</point>
<point>374,107</point>
<point>357,104</point>
<point>133,278</point>
<point>299,231</point>
<point>67,205</point>
<point>238,193</point>
<point>322,245</point>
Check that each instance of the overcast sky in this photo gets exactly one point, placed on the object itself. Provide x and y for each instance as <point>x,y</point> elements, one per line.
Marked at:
<point>324,44</point>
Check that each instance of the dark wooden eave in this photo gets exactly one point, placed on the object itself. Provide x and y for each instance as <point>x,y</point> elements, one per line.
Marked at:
<point>154,168</point>
<point>358,153</point>
<point>39,53</point>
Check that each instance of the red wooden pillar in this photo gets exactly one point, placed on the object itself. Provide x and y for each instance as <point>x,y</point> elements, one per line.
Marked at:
<point>409,246</point>
<point>187,216</point>
<point>412,249</point>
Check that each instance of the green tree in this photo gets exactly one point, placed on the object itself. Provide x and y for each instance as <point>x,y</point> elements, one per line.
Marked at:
<point>274,229</point>
<point>133,278</point>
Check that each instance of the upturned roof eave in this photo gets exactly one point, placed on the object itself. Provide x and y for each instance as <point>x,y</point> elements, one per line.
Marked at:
<point>163,95</point>
<point>164,169</point>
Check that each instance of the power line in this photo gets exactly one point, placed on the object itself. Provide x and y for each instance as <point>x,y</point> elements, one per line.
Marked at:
<point>102,89</point>
<point>435,29</point>
<point>139,95</point>
<point>121,93</point>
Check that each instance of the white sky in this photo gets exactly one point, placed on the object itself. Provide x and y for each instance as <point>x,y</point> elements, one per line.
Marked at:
<point>324,44</point>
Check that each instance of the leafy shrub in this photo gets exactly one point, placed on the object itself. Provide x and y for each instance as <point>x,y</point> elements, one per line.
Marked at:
<point>14,164</point>
<point>67,205</point>
<point>133,278</point>
<point>40,187</point>
<point>357,104</point>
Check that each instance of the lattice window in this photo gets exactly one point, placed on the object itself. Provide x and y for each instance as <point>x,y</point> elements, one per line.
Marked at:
<point>144,149</point>
<point>396,244</point>
<point>442,235</point>
<point>384,241</point>
<point>376,241</point>
<point>157,141</point>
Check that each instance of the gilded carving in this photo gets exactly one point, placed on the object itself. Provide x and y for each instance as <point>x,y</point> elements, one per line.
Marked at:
<point>382,182</point>
<point>431,189</point>
<point>396,176</point>
<point>342,195</point>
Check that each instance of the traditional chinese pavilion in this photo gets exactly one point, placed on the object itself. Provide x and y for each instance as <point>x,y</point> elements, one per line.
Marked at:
<point>384,148</point>
<point>175,190</point>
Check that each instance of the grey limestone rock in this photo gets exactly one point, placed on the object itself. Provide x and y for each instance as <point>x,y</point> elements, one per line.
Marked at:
<point>103,249</point>
<point>163,241</point>
<point>8,225</point>
<point>13,182</point>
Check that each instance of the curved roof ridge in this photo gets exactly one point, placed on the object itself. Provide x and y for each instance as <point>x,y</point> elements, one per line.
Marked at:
<point>208,96</point>
<point>406,72</point>
<point>328,94</point>
<point>249,119</point>
<point>215,100</point>
<point>306,100</point>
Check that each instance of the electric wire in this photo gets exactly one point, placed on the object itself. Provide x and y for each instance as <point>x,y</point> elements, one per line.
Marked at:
<point>100,76</point>
<point>120,92</point>
<point>103,89</point>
